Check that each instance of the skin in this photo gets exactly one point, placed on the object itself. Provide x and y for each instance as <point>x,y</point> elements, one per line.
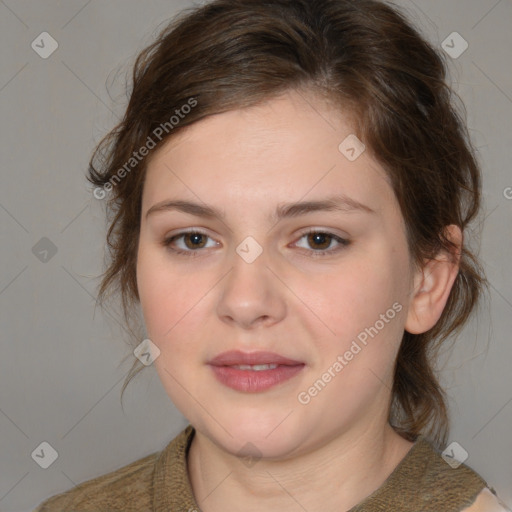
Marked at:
<point>487,502</point>
<point>332,452</point>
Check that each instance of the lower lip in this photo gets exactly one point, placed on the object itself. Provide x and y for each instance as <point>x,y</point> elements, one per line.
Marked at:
<point>252,380</point>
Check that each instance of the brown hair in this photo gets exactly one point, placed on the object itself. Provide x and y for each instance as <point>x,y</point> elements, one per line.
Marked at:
<point>363,56</point>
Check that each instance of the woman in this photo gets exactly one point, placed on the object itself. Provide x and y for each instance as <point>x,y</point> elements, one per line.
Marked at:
<point>291,185</point>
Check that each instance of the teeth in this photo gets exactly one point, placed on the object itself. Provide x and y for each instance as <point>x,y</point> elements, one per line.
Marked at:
<point>256,367</point>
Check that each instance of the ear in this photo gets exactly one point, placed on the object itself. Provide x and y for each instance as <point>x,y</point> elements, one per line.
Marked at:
<point>432,286</point>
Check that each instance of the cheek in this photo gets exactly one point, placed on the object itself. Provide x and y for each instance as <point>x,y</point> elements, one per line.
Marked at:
<point>174,302</point>
<point>351,297</point>
<point>152,284</point>
<point>358,311</point>
<point>163,294</point>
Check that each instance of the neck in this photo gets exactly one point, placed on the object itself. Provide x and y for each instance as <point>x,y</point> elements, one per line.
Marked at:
<point>335,476</point>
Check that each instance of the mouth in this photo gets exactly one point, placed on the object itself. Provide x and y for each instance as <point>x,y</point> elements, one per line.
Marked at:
<point>254,372</point>
<point>239,358</point>
<point>254,367</point>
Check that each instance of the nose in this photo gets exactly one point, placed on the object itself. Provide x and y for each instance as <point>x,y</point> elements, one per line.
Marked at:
<point>251,295</point>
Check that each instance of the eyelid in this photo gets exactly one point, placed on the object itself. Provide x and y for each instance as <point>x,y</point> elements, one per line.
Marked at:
<point>326,231</point>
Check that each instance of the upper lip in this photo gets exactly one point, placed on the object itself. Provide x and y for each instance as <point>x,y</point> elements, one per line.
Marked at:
<point>237,357</point>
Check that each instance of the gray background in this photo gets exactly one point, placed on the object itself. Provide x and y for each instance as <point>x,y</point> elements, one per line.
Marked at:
<point>63,361</point>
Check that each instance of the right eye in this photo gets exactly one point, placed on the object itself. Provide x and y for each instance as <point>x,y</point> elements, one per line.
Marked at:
<point>193,240</point>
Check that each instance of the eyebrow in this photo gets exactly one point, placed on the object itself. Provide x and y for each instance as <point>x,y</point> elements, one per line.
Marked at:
<point>339,203</point>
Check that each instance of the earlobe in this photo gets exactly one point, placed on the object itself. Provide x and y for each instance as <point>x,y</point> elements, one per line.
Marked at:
<point>432,286</point>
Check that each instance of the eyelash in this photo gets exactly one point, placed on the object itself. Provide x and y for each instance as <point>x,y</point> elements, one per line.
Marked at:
<point>315,254</point>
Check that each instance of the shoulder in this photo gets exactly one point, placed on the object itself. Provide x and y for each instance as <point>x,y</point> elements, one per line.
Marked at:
<point>448,484</point>
<point>427,480</point>
<point>486,501</point>
<point>127,488</point>
<point>438,473</point>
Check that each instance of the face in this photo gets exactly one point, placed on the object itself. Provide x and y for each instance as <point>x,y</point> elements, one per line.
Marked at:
<point>325,287</point>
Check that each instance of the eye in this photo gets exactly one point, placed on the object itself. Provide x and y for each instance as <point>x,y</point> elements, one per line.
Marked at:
<point>322,240</point>
<point>193,240</point>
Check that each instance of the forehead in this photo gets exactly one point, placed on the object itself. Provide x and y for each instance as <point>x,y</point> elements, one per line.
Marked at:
<point>286,149</point>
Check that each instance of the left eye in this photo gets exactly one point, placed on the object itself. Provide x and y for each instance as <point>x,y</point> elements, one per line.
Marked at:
<point>324,240</point>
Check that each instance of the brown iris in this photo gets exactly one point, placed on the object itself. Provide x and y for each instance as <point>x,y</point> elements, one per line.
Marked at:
<point>313,238</point>
<point>194,237</point>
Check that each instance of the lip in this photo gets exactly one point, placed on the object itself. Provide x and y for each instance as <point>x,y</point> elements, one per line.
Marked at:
<point>236,357</point>
<point>253,380</point>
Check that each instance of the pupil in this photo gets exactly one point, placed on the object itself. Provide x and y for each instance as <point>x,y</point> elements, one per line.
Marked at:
<point>194,238</point>
<point>321,236</point>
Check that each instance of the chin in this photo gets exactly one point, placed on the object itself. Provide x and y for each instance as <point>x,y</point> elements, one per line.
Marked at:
<point>268,437</point>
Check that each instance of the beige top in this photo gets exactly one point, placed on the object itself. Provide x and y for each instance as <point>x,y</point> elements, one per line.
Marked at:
<point>159,482</point>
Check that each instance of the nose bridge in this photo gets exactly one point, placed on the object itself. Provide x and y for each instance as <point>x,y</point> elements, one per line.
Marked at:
<point>250,292</point>
<point>248,277</point>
